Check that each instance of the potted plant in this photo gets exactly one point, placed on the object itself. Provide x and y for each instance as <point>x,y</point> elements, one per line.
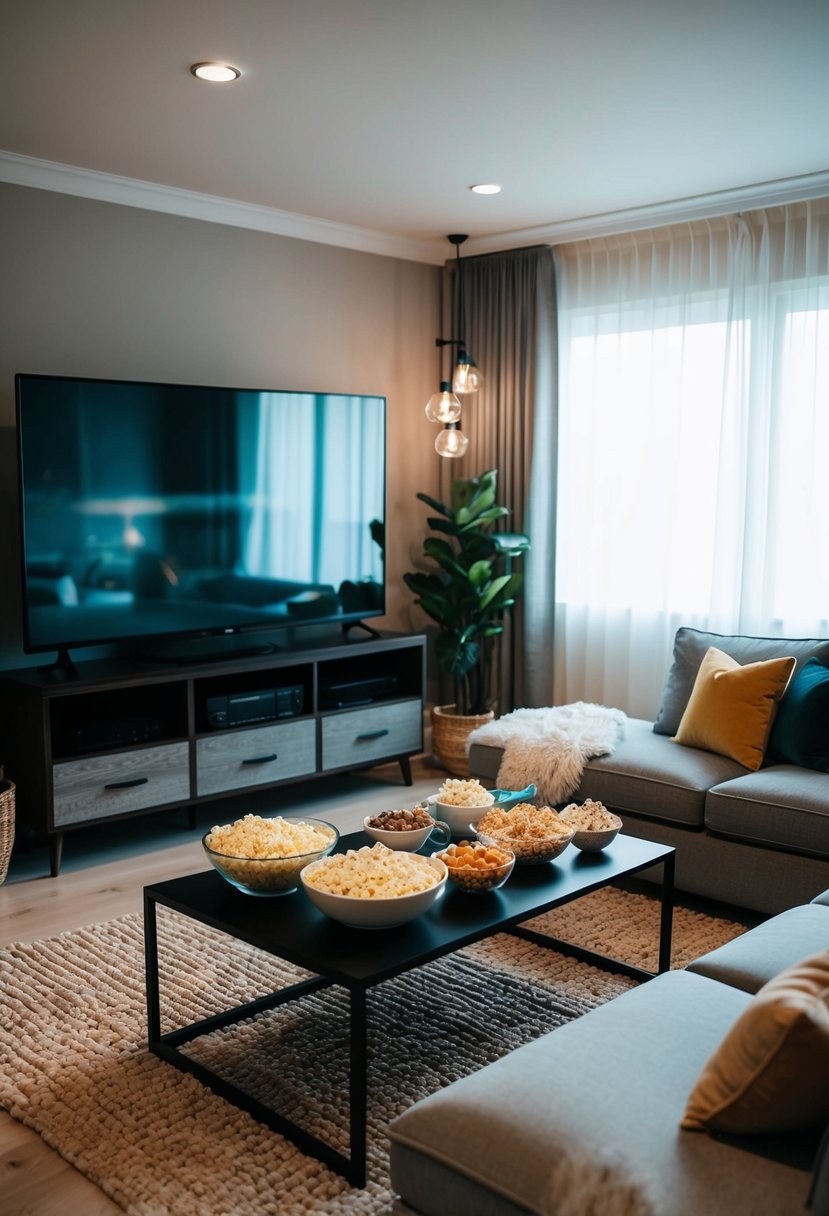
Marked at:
<point>468,596</point>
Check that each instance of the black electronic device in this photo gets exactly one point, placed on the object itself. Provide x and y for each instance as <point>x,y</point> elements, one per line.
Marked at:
<point>263,705</point>
<point>115,732</point>
<point>347,693</point>
<point>163,511</point>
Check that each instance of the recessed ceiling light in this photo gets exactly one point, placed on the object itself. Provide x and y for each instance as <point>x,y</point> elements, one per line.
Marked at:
<point>486,188</point>
<point>217,72</point>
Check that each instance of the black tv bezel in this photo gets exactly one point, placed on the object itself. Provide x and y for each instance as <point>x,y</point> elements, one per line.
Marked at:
<point>232,629</point>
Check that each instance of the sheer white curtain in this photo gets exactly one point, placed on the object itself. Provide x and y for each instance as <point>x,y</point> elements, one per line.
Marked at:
<point>693,484</point>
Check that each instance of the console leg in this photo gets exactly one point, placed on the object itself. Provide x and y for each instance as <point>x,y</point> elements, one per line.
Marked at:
<point>406,769</point>
<point>55,853</point>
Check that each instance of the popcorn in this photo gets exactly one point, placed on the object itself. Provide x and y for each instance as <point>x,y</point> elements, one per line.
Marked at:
<point>254,836</point>
<point>375,872</point>
<point>266,855</point>
<point>590,816</point>
<point>457,791</point>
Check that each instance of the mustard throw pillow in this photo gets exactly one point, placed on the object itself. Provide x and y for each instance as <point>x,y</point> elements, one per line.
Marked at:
<point>731,708</point>
<point>771,1071</point>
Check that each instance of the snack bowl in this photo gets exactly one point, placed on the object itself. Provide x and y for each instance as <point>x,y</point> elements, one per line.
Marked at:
<point>592,840</point>
<point>372,911</point>
<point>460,802</point>
<point>408,840</point>
<point>535,835</point>
<point>483,870</point>
<point>277,874</point>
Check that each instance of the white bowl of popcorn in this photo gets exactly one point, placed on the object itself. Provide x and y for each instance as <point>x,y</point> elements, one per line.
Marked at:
<point>461,802</point>
<point>374,887</point>
<point>264,856</point>
<point>596,826</point>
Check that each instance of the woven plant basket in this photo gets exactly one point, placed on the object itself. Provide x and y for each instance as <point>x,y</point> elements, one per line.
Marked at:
<point>6,825</point>
<point>449,734</point>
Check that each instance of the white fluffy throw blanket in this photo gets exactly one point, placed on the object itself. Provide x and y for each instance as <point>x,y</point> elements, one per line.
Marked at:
<point>551,746</point>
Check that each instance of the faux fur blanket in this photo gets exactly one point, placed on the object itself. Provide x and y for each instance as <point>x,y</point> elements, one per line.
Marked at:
<point>550,747</point>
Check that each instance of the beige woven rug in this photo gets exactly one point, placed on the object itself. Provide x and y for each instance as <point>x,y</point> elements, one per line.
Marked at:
<point>74,1064</point>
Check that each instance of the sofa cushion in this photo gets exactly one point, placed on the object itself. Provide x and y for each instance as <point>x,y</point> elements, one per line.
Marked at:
<point>780,806</point>
<point>800,734</point>
<point>769,1073</point>
<point>690,646</point>
<point>752,959</point>
<point>654,777</point>
<point>731,706</point>
<point>585,1119</point>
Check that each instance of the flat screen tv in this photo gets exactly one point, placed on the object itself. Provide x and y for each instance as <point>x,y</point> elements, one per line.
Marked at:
<point>178,511</point>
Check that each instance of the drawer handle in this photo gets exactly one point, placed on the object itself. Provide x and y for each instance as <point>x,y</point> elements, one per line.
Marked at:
<point>126,785</point>
<point>372,734</point>
<point>260,759</point>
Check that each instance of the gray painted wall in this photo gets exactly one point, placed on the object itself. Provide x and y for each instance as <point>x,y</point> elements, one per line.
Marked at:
<point>96,289</point>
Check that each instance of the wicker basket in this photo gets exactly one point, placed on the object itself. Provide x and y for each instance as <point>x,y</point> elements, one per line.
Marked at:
<point>449,734</point>
<point>6,825</point>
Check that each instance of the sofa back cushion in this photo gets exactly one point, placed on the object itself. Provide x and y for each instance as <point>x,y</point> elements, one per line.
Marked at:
<point>690,647</point>
<point>769,1072</point>
<point>732,706</point>
<point>800,734</point>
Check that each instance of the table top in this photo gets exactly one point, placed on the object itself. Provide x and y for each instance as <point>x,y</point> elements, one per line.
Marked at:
<point>291,927</point>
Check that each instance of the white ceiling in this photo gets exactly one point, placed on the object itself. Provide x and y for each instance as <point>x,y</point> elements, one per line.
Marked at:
<point>360,121</point>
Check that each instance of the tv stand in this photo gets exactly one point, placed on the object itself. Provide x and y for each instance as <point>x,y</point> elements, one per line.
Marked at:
<point>121,738</point>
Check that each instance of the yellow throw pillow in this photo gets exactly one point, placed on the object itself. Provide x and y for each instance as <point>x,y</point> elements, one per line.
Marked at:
<point>731,708</point>
<point>771,1071</point>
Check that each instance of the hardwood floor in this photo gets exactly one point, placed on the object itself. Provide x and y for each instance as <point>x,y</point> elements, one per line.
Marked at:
<point>103,875</point>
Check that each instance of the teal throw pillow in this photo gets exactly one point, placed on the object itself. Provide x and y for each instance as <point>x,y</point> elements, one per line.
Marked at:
<point>800,734</point>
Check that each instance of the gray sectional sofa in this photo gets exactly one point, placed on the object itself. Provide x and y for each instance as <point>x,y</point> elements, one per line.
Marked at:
<point>585,1120</point>
<point>757,839</point>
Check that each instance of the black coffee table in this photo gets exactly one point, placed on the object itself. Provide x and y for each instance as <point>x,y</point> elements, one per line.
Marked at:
<point>357,959</point>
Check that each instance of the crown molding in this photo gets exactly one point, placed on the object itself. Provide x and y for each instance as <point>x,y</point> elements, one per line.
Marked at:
<point>656,215</point>
<point>130,192</point>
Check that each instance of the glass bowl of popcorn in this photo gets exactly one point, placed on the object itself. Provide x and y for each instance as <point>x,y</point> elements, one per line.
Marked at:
<point>374,887</point>
<point>264,856</point>
<point>460,802</point>
<point>596,826</point>
<point>535,834</point>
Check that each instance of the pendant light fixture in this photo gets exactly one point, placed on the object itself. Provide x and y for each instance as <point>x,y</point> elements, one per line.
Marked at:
<point>446,405</point>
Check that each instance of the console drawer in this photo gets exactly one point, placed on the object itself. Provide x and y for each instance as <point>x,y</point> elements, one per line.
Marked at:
<point>235,759</point>
<point>100,786</point>
<point>362,736</point>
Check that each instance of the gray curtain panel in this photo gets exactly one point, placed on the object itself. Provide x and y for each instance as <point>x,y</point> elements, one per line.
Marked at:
<point>510,324</point>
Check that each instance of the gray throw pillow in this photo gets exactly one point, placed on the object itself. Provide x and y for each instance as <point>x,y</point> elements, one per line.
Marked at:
<point>690,647</point>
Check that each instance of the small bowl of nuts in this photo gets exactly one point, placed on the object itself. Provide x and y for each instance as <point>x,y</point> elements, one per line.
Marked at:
<point>461,802</point>
<point>405,830</point>
<point>475,868</point>
<point>535,834</point>
<point>595,825</point>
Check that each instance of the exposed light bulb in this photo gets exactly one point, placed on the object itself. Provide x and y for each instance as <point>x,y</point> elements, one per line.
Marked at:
<point>444,405</point>
<point>467,377</point>
<point>451,441</point>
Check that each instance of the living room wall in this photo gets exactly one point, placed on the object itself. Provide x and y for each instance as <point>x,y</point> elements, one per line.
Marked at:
<point>97,289</point>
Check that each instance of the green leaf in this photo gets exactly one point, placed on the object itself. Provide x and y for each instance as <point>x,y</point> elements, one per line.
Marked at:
<point>435,504</point>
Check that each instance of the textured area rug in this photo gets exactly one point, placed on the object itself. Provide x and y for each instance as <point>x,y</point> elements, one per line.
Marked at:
<point>74,1064</point>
